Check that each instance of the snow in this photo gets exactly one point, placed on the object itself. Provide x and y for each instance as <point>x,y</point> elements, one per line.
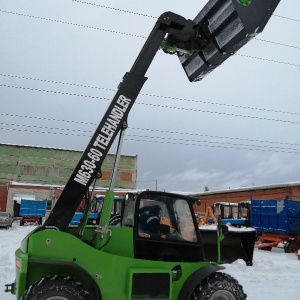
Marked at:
<point>230,227</point>
<point>274,275</point>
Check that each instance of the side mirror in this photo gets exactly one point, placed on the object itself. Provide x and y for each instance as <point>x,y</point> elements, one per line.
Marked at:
<point>223,28</point>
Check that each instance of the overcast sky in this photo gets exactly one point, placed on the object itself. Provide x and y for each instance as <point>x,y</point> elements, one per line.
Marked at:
<point>61,62</point>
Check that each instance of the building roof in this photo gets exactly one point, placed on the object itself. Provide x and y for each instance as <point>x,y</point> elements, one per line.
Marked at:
<point>247,189</point>
<point>116,190</point>
<point>51,148</point>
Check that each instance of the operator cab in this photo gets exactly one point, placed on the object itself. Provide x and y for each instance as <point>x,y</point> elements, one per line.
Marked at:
<point>165,226</point>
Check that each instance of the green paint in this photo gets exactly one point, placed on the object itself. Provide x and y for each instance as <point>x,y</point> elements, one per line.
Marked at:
<point>244,2</point>
<point>110,270</point>
<point>38,165</point>
<point>167,47</point>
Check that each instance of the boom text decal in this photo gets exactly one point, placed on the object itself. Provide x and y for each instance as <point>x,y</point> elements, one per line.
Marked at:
<point>102,140</point>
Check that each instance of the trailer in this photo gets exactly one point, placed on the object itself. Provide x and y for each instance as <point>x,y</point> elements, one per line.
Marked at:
<point>95,208</point>
<point>32,211</point>
<point>277,223</point>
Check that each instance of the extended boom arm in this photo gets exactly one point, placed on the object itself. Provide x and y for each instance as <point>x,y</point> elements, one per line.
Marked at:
<point>218,31</point>
<point>89,166</point>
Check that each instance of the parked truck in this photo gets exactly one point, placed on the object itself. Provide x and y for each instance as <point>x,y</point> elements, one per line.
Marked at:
<point>127,262</point>
<point>32,211</point>
<point>277,223</point>
<point>235,213</point>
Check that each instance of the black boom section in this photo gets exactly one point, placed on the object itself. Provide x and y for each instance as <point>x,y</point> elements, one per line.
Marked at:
<point>106,132</point>
<point>96,151</point>
<point>225,26</point>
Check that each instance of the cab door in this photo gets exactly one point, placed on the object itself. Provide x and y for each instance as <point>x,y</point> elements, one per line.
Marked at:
<point>176,236</point>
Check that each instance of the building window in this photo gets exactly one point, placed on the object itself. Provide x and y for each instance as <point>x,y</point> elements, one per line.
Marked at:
<point>40,171</point>
<point>53,172</point>
<point>27,170</point>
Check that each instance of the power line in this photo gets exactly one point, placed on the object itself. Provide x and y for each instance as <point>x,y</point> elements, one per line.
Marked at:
<point>213,136</point>
<point>283,17</point>
<point>131,12</point>
<point>52,92</point>
<point>74,132</point>
<point>219,113</point>
<point>46,119</point>
<point>130,128</point>
<point>113,31</point>
<point>70,23</point>
<point>156,105</point>
<point>175,141</point>
<point>55,81</point>
<point>115,9</point>
<point>267,59</point>
<point>214,142</point>
<point>150,95</point>
<point>208,145</point>
<point>276,43</point>
<point>50,128</point>
<point>143,15</point>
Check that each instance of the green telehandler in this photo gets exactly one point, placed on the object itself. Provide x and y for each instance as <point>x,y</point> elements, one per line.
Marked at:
<point>156,251</point>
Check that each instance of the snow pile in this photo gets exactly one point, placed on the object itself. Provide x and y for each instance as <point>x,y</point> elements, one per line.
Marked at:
<point>274,275</point>
<point>10,240</point>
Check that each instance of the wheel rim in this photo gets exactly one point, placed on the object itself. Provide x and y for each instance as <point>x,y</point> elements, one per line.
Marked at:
<point>222,295</point>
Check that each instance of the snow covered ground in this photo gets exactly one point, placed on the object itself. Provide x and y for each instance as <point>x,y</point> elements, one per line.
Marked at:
<point>274,275</point>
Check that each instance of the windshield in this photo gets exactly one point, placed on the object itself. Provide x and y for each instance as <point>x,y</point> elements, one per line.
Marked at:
<point>165,216</point>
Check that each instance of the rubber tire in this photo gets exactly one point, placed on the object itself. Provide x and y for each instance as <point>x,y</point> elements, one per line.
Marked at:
<point>56,287</point>
<point>291,247</point>
<point>219,286</point>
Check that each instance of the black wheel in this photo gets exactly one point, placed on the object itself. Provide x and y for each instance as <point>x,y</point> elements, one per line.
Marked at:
<point>219,286</point>
<point>56,287</point>
<point>291,247</point>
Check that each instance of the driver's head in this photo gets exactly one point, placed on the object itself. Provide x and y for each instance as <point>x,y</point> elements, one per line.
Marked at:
<point>156,210</point>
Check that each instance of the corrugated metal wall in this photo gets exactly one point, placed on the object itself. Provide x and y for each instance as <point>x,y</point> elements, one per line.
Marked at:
<point>54,166</point>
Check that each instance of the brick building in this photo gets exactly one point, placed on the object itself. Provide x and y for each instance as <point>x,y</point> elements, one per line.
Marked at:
<point>267,192</point>
<point>42,172</point>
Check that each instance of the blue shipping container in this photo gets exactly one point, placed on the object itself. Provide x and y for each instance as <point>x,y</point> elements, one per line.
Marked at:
<point>276,216</point>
